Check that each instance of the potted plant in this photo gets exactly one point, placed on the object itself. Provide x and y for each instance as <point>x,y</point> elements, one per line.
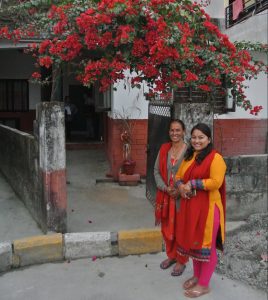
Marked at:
<point>128,165</point>
<point>126,137</point>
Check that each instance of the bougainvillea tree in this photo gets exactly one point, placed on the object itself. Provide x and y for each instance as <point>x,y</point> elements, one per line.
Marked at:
<point>168,44</point>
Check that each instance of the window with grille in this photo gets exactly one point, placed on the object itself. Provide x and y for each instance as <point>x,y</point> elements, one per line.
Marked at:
<point>240,10</point>
<point>14,95</point>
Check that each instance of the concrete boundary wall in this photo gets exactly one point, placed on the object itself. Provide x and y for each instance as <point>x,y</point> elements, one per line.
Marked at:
<point>246,184</point>
<point>19,165</point>
<point>35,166</point>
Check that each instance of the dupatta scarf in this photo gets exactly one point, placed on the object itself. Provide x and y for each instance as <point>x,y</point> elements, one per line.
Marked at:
<point>165,207</point>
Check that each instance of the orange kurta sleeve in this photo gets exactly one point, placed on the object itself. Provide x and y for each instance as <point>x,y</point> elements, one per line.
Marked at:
<point>217,173</point>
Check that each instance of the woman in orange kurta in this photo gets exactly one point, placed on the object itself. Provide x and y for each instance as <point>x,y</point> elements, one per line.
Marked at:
<point>201,216</point>
<point>166,165</point>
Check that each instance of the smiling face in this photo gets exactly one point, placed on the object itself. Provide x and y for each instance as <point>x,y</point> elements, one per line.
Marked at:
<point>199,140</point>
<point>176,132</point>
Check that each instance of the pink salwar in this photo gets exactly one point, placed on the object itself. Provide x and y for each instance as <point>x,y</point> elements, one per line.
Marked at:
<point>204,270</point>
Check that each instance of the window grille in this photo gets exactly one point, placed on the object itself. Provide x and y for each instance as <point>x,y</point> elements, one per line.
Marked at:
<point>249,8</point>
<point>14,95</point>
<point>160,109</point>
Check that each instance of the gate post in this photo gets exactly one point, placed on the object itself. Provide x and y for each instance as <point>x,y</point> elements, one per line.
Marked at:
<point>52,163</point>
<point>192,107</point>
<point>193,113</point>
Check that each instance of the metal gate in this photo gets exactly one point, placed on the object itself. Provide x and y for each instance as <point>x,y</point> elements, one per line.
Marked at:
<point>159,117</point>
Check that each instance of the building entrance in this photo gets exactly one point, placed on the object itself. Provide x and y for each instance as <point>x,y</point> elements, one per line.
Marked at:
<point>86,124</point>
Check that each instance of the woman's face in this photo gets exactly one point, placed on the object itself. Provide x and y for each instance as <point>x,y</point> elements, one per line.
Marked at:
<point>199,140</point>
<point>176,132</point>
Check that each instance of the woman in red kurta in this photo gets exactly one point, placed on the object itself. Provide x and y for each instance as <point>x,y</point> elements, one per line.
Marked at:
<point>167,163</point>
<point>201,216</point>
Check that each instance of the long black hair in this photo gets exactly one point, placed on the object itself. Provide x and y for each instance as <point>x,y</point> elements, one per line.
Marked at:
<point>177,121</point>
<point>203,153</point>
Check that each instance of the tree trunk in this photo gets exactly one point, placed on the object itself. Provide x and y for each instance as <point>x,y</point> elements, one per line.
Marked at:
<point>56,90</point>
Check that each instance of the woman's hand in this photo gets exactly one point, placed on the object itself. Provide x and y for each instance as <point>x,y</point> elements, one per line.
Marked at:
<point>174,193</point>
<point>184,189</point>
<point>171,190</point>
<point>188,187</point>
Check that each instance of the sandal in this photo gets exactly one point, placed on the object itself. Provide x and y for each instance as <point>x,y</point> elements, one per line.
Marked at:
<point>194,293</point>
<point>190,283</point>
<point>167,263</point>
<point>179,271</point>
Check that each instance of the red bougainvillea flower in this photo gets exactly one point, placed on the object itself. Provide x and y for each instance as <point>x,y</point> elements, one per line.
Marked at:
<point>190,76</point>
<point>256,110</point>
<point>204,87</point>
<point>166,43</point>
<point>45,61</point>
<point>43,46</point>
<point>139,47</point>
<point>36,75</point>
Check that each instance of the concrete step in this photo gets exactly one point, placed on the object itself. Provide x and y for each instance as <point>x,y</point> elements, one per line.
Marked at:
<point>232,226</point>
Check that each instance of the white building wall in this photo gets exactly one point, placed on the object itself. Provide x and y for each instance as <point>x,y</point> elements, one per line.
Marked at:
<point>257,94</point>
<point>129,100</point>
<point>16,65</point>
<point>215,8</point>
<point>253,29</point>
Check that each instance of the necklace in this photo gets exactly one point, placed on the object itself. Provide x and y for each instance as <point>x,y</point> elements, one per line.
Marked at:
<point>176,151</point>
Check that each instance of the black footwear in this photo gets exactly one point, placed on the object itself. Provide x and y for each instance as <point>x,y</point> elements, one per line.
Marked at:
<point>167,263</point>
<point>178,272</point>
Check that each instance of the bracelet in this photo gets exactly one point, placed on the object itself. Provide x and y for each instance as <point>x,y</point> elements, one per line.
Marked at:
<point>178,183</point>
<point>197,184</point>
<point>193,183</point>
